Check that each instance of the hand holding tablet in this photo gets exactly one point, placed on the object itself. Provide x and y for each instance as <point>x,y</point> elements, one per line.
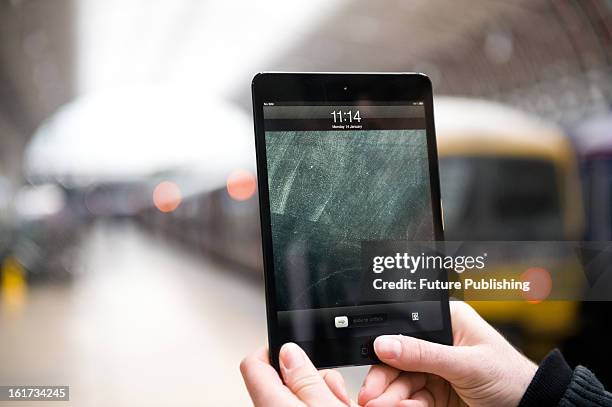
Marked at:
<point>481,369</point>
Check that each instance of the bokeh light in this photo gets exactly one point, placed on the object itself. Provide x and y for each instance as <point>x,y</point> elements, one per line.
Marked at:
<point>540,284</point>
<point>241,185</point>
<point>167,196</point>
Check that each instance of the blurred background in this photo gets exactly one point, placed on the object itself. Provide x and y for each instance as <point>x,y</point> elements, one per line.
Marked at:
<point>130,262</point>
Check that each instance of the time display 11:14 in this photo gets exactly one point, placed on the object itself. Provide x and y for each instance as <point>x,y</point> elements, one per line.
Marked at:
<point>349,116</point>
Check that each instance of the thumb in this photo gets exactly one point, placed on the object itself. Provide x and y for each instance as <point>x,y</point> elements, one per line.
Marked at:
<point>303,379</point>
<point>416,355</point>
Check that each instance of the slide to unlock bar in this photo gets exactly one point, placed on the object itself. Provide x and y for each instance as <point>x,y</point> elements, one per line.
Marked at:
<point>359,320</point>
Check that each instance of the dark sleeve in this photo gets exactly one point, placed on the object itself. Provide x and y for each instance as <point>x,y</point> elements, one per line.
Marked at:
<point>556,384</point>
<point>585,390</point>
<point>549,383</point>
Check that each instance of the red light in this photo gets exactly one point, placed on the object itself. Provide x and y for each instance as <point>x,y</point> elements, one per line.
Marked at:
<point>241,185</point>
<point>540,284</point>
<point>167,196</point>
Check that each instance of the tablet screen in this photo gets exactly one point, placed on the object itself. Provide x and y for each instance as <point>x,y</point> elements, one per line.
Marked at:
<point>339,175</point>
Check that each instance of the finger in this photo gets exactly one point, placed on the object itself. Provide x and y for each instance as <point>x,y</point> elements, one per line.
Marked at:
<point>400,389</point>
<point>376,382</point>
<point>421,398</point>
<point>335,382</point>
<point>416,355</point>
<point>468,325</point>
<point>302,378</point>
<point>263,382</point>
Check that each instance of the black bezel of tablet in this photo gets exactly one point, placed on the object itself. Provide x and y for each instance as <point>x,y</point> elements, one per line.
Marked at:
<point>334,88</point>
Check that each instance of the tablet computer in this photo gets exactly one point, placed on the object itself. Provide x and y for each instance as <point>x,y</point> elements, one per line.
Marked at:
<point>343,159</point>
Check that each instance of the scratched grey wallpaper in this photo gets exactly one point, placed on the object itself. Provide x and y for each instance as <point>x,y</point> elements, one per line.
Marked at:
<point>329,190</point>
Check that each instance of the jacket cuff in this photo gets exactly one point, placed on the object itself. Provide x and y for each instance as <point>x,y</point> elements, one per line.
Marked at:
<point>549,383</point>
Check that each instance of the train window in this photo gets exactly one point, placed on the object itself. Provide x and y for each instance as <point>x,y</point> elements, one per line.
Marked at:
<point>598,199</point>
<point>456,178</point>
<point>533,193</point>
<point>490,198</point>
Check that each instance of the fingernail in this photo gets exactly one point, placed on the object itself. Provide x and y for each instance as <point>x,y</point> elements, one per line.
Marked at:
<point>387,347</point>
<point>291,356</point>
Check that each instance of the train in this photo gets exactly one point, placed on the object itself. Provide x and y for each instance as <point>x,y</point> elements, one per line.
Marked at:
<point>509,176</point>
<point>592,140</point>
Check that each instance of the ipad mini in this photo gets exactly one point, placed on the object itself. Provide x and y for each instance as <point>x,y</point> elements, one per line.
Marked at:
<point>343,159</point>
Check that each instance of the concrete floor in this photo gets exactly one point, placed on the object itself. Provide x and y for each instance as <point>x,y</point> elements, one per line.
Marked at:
<point>144,323</point>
